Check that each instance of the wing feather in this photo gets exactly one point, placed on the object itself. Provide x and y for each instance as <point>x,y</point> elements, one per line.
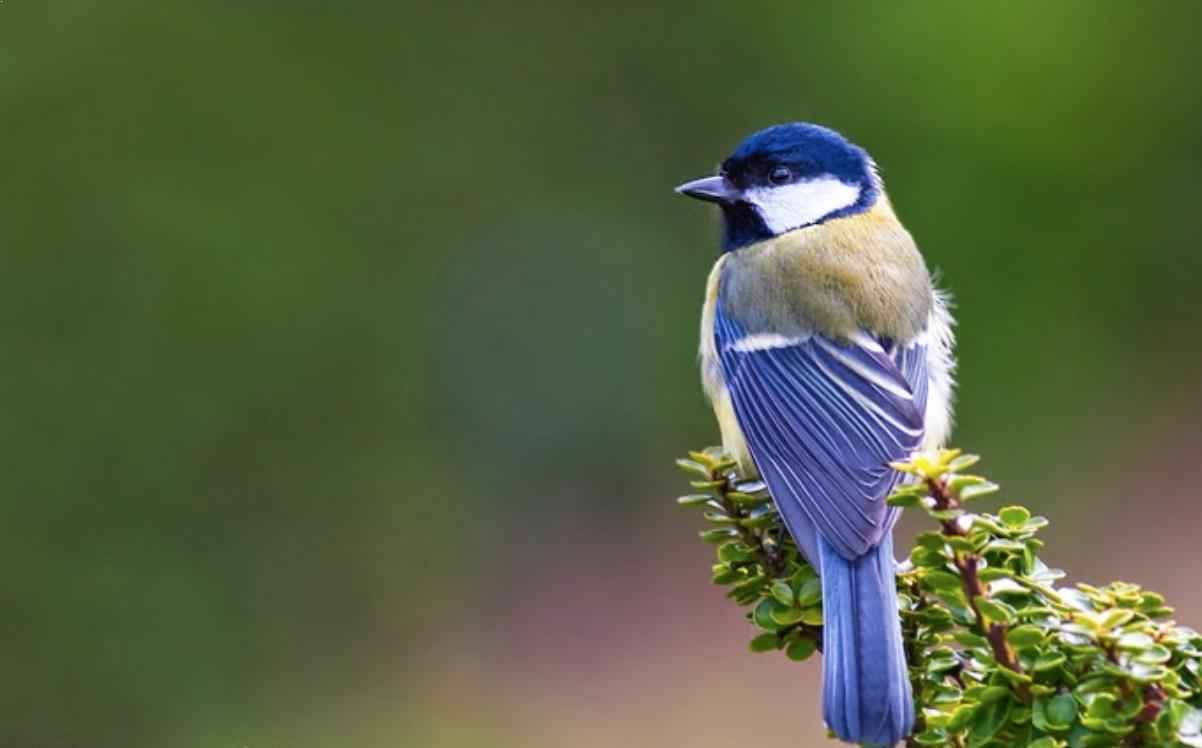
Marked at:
<point>823,419</point>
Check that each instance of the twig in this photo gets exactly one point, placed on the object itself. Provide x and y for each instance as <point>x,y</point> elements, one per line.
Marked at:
<point>966,564</point>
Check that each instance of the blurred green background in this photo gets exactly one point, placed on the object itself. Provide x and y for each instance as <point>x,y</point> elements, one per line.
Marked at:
<point>346,346</point>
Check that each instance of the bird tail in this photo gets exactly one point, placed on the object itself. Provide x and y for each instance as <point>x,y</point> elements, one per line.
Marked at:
<point>866,694</point>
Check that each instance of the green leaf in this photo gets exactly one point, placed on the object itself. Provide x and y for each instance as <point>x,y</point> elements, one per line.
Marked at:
<point>1046,741</point>
<point>969,639</point>
<point>904,499</point>
<point>693,499</point>
<point>960,718</point>
<point>904,467</point>
<point>961,463</point>
<point>803,575</point>
<point>994,610</point>
<point>941,580</point>
<point>958,483</point>
<point>994,573</point>
<point>810,593</point>
<point>762,615</point>
<point>716,535</point>
<point>1115,618</point>
<point>981,489</point>
<point>985,523</point>
<point>927,558</point>
<point>801,649</point>
<point>1146,673</point>
<point>751,585</point>
<point>764,642</point>
<point>1025,636</point>
<point>941,664</point>
<point>1047,661</point>
<point>786,616</point>
<point>760,522</point>
<point>1018,679</point>
<point>993,693</point>
<point>812,616</point>
<point>694,468</point>
<point>987,721</point>
<point>1061,711</point>
<point>1014,516</point>
<point>735,552</point>
<point>1150,600</point>
<point>1101,707</point>
<point>1039,714</point>
<point>1006,546</point>
<point>782,592</point>
<point>933,616</point>
<point>956,600</point>
<point>1035,524</point>
<point>964,545</point>
<point>747,499</point>
<point>944,515</point>
<point>932,541</point>
<point>1154,655</point>
<point>724,575</point>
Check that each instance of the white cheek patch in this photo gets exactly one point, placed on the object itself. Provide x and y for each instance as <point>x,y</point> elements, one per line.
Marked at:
<point>791,206</point>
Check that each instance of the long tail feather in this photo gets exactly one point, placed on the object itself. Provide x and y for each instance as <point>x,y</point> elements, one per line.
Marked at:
<point>865,687</point>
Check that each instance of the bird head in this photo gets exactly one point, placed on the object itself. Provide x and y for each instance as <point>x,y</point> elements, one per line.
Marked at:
<point>785,178</point>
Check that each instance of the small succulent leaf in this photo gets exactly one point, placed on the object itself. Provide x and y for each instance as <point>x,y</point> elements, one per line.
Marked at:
<point>978,490</point>
<point>782,592</point>
<point>962,463</point>
<point>1026,635</point>
<point>1061,711</point>
<point>1015,517</point>
<point>904,499</point>
<point>765,642</point>
<point>810,593</point>
<point>695,468</point>
<point>994,610</point>
<point>801,648</point>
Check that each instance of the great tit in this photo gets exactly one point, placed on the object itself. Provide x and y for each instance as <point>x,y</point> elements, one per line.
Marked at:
<point>826,354</point>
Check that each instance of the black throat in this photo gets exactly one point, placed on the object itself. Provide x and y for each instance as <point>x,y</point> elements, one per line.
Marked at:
<point>741,226</point>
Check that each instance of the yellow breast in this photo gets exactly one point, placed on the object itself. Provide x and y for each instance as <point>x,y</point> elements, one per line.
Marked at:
<point>859,273</point>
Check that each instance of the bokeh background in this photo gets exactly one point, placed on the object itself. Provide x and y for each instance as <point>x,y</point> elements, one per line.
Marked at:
<point>346,346</point>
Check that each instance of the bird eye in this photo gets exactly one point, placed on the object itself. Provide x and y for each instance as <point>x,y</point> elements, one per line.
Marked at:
<point>780,175</point>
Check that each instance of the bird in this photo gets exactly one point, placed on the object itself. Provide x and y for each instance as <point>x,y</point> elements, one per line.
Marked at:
<point>827,355</point>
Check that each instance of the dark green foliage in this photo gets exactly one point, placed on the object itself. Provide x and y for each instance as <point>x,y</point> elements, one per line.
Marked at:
<point>757,559</point>
<point>999,655</point>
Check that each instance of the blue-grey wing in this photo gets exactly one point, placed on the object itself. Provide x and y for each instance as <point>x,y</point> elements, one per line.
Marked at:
<point>911,361</point>
<point>823,420</point>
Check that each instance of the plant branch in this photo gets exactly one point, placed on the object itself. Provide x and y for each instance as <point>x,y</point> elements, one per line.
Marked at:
<point>998,655</point>
<point>966,565</point>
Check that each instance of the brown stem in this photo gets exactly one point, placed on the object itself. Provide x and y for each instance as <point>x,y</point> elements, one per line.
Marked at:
<point>1153,703</point>
<point>966,565</point>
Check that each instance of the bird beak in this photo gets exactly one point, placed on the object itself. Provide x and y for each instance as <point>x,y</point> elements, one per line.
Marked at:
<point>711,190</point>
